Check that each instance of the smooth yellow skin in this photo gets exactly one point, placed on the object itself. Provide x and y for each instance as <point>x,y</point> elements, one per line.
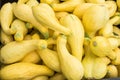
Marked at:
<point>41,78</point>
<point>71,67</point>
<point>112,71</point>
<point>57,76</point>
<point>32,3</point>
<point>67,5</point>
<point>51,41</point>
<point>114,42</point>
<point>95,67</point>
<point>50,59</point>
<point>46,16</point>
<point>24,12</point>
<point>60,14</point>
<point>4,38</point>
<point>10,54</point>
<point>112,7</point>
<point>81,8</point>
<point>95,1</point>
<point>6,17</point>
<point>94,19</point>
<point>36,36</point>
<point>19,29</point>
<point>73,23</point>
<point>49,1</point>
<point>107,30</point>
<point>101,47</point>
<point>24,71</point>
<point>117,60</point>
<point>32,57</point>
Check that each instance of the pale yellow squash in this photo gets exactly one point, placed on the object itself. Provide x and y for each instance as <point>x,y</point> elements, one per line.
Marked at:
<point>24,71</point>
<point>40,78</point>
<point>67,5</point>
<point>46,16</point>
<point>94,67</point>
<point>5,38</point>
<point>94,19</point>
<point>75,40</point>
<point>71,67</point>
<point>31,57</point>
<point>50,59</point>
<point>19,29</point>
<point>9,53</point>
<point>112,71</point>
<point>6,17</point>
<point>101,47</point>
<point>24,12</point>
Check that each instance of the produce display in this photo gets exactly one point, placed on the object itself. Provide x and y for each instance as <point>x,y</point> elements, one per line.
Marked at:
<point>60,40</point>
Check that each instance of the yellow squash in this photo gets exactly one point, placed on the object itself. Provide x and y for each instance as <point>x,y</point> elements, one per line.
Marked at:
<point>5,38</point>
<point>81,8</point>
<point>112,71</point>
<point>49,1</point>
<point>32,57</point>
<point>46,16</point>
<point>107,29</point>
<point>9,52</point>
<point>95,1</point>
<point>101,47</point>
<point>117,60</point>
<point>6,17</point>
<point>94,19</point>
<point>40,78</point>
<point>19,29</point>
<point>60,14</point>
<point>50,58</point>
<point>66,5</point>
<point>57,76</point>
<point>32,3</point>
<point>71,67</point>
<point>24,71</point>
<point>114,42</point>
<point>75,40</point>
<point>94,67</point>
<point>112,7</point>
<point>24,12</point>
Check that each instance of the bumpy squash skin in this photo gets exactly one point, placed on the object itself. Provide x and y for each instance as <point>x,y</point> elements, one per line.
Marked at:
<point>76,42</point>
<point>24,12</point>
<point>24,71</point>
<point>6,17</point>
<point>101,47</point>
<point>46,16</point>
<point>71,67</point>
<point>9,53</point>
<point>95,67</point>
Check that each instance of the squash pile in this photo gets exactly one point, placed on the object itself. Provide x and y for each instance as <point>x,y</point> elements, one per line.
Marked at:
<point>60,39</point>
